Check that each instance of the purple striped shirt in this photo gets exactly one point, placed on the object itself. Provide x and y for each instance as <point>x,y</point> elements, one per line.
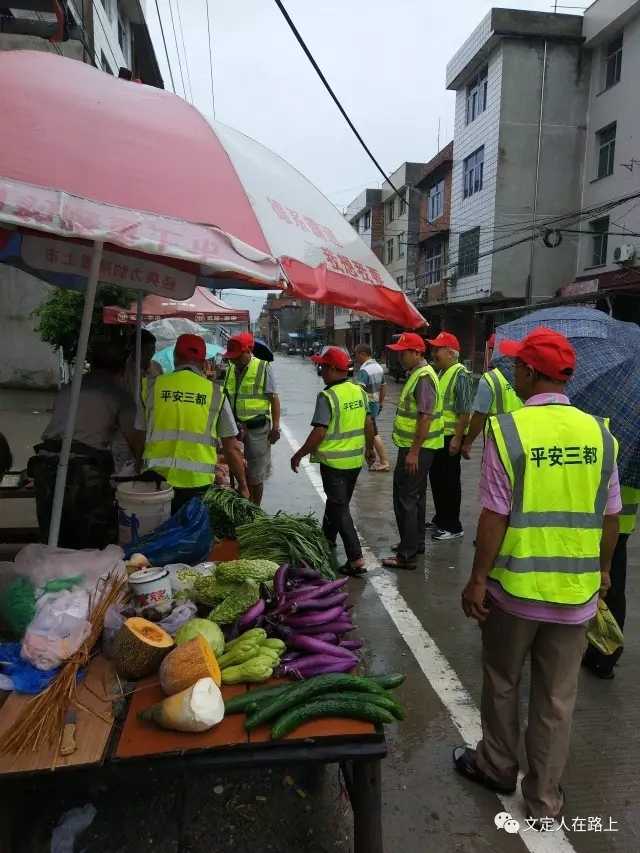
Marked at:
<point>494,493</point>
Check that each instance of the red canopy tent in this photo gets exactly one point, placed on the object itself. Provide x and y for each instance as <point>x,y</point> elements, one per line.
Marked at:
<point>203,307</point>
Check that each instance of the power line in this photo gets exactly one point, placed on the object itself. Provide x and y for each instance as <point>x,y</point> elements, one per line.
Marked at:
<point>184,50</point>
<point>164,41</point>
<point>175,38</point>
<point>213,96</point>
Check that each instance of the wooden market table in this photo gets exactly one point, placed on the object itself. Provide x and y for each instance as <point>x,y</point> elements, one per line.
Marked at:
<point>113,745</point>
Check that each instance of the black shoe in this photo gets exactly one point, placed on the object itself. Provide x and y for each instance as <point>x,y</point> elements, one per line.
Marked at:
<point>604,674</point>
<point>465,763</point>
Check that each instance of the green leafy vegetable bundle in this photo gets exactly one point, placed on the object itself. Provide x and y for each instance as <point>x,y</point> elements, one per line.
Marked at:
<point>283,538</point>
<point>229,510</point>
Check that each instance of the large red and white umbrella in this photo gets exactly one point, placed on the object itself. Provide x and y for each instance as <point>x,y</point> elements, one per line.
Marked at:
<point>85,156</point>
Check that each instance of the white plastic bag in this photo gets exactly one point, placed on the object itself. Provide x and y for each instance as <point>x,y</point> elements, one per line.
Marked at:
<point>53,638</point>
<point>42,563</point>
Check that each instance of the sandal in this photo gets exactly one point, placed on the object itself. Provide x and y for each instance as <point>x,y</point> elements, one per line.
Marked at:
<point>399,563</point>
<point>352,571</point>
<point>421,549</point>
<point>465,763</point>
<point>377,468</point>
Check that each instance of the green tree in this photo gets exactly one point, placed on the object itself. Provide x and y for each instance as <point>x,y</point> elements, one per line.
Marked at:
<point>60,315</point>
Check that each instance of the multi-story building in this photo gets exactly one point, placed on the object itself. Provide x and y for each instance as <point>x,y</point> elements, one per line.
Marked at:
<point>110,34</point>
<point>522,91</point>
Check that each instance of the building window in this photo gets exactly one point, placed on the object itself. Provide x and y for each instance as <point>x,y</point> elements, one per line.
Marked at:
<point>402,201</point>
<point>436,201</point>
<point>123,33</point>
<point>469,253</point>
<point>477,95</point>
<point>389,207</point>
<point>390,251</point>
<point>613,62</point>
<point>606,150</point>
<point>473,171</point>
<point>367,220</point>
<point>434,264</point>
<point>400,281</point>
<point>600,228</point>
<point>402,241</point>
<point>104,63</point>
<point>356,225</point>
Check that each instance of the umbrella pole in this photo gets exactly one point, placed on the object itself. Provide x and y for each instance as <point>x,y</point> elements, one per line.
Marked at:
<point>63,463</point>
<point>138,345</point>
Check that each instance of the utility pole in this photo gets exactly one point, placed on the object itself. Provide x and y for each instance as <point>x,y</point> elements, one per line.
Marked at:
<point>361,334</point>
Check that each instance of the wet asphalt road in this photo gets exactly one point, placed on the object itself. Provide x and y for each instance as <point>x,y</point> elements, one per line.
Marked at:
<point>426,807</point>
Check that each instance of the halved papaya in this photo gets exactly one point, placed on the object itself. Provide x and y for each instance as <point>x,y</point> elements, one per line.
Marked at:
<point>139,648</point>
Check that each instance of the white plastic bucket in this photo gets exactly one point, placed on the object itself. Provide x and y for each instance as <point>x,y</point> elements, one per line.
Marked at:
<point>141,508</point>
<point>150,587</point>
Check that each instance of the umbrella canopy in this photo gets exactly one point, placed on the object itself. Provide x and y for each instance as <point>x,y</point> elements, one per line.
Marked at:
<point>144,172</point>
<point>606,382</point>
<point>165,356</point>
<point>203,307</point>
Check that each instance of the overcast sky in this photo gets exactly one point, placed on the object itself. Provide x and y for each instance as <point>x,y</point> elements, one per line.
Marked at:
<point>385,60</point>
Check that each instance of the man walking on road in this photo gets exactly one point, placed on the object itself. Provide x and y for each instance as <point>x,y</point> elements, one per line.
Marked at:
<point>444,475</point>
<point>494,396</point>
<point>179,420</point>
<point>549,524</point>
<point>341,439</point>
<point>371,377</point>
<point>594,660</point>
<point>251,389</point>
<point>417,433</point>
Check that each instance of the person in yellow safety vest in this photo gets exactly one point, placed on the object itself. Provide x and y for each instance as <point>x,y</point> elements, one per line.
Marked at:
<point>594,660</point>
<point>181,417</point>
<point>341,439</point>
<point>546,535</point>
<point>444,475</point>
<point>418,435</point>
<point>494,396</point>
<point>251,389</point>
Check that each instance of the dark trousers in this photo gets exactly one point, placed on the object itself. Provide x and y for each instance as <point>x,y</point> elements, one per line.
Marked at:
<point>444,476</point>
<point>410,501</point>
<point>617,604</point>
<point>183,496</point>
<point>338,486</point>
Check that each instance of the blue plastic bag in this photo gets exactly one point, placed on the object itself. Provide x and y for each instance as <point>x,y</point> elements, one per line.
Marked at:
<point>183,538</point>
<point>25,677</point>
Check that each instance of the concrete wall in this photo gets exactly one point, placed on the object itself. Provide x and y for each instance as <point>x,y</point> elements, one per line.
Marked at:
<point>619,104</point>
<point>564,111</point>
<point>26,362</point>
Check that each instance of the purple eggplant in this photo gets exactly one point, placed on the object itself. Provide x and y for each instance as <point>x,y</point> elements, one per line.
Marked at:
<point>306,572</point>
<point>314,646</point>
<point>323,637</point>
<point>252,614</point>
<point>318,617</point>
<point>352,645</point>
<point>323,591</point>
<point>338,627</point>
<point>266,595</point>
<point>318,665</point>
<point>280,580</point>
<point>283,606</point>
<point>287,657</point>
<point>299,590</point>
<point>320,603</point>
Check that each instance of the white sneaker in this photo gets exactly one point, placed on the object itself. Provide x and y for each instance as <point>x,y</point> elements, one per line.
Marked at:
<point>445,536</point>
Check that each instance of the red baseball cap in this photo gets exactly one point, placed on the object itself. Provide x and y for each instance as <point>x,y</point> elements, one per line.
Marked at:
<point>334,357</point>
<point>238,344</point>
<point>445,339</point>
<point>191,346</point>
<point>544,350</point>
<point>409,340</point>
<point>492,341</point>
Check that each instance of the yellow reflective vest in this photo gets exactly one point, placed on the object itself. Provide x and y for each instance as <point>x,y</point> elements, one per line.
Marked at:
<point>344,444</point>
<point>559,461</point>
<point>505,398</point>
<point>404,426</point>
<point>630,500</point>
<point>181,417</point>
<point>249,399</point>
<point>447,387</point>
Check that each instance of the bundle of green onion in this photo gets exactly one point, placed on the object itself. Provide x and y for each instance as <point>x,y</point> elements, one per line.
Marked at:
<point>283,538</point>
<point>229,510</point>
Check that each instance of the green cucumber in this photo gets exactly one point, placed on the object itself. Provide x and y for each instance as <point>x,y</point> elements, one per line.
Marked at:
<point>298,694</point>
<point>389,681</point>
<point>384,700</point>
<point>355,707</point>
<point>238,704</point>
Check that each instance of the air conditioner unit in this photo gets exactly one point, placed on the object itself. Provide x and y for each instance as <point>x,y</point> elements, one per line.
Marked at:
<point>624,253</point>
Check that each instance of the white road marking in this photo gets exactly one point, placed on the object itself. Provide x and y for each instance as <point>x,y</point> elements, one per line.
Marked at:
<point>439,673</point>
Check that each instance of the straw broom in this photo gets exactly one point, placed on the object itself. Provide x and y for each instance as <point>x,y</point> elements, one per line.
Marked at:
<point>42,723</point>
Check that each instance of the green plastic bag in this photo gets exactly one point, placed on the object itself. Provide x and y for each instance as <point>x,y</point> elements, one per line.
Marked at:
<point>603,631</point>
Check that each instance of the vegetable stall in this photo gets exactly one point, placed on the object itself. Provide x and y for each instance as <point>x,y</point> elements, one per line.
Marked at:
<point>247,658</point>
